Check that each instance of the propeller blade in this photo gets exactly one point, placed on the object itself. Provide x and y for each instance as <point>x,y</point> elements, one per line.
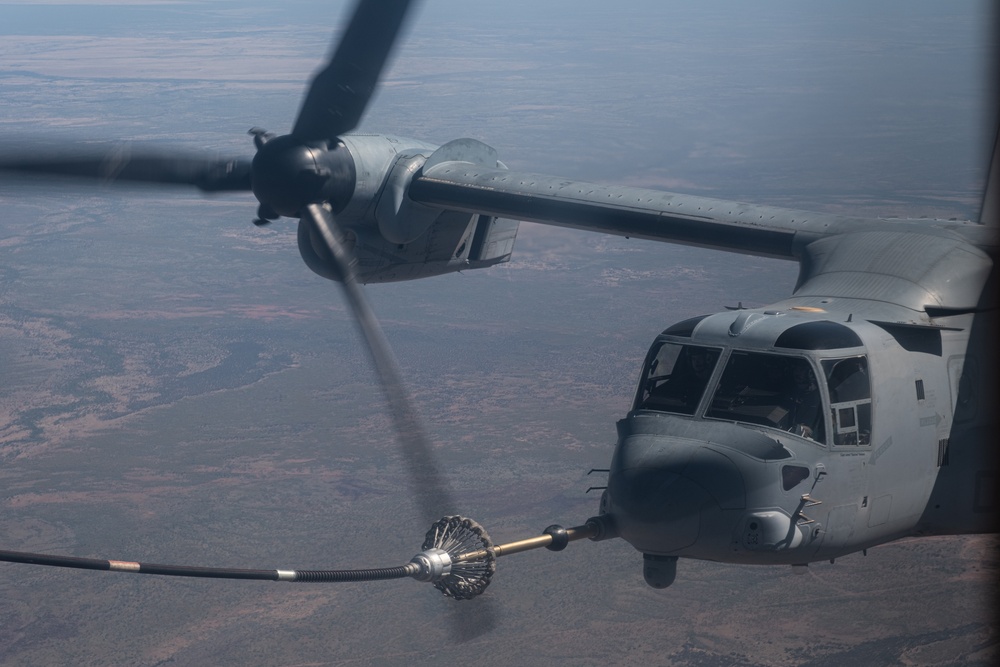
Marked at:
<point>428,485</point>
<point>339,93</point>
<point>121,164</point>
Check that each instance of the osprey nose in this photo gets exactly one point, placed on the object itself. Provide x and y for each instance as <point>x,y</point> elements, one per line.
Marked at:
<point>662,489</point>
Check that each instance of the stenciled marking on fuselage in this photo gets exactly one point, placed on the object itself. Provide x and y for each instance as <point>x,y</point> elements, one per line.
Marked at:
<point>881,449</point>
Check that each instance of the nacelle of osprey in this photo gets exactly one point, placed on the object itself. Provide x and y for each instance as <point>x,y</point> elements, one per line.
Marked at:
<point>393,237</point>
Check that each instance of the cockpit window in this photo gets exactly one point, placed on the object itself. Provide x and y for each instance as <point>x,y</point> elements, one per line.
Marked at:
<point>685,327</point>
<point>822,335</point>
<point>850,400</point>
<point>771,390</point>
<point>675,377</point>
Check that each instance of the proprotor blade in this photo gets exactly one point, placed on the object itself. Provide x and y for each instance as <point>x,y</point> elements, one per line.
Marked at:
<point>121,164</point>
<point>340,91</point>
<point>428,485</point>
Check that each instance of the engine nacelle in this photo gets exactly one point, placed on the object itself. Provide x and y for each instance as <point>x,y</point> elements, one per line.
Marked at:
<point>395,238</point>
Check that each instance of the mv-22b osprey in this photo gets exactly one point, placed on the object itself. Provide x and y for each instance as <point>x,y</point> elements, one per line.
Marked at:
<point>859,410</point>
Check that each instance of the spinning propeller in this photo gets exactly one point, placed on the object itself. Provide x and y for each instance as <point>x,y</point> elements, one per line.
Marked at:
<point>309,174</point>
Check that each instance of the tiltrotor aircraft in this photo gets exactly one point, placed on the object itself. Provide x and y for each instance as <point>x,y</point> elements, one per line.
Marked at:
<point>857,411</point>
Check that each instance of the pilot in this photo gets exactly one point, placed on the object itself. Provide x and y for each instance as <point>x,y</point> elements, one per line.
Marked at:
<point>700,366</point>
<point>801,399</point>
<point>699,371</point>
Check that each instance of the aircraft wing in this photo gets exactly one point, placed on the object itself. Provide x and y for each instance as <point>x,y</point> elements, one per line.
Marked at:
<point>766,231</point>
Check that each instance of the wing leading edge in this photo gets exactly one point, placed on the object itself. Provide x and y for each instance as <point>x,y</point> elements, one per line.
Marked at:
<point>765,231</point>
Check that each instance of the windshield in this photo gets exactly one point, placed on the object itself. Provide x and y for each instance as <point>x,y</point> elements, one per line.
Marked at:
<point>675,377</point>
<point>771,390</point>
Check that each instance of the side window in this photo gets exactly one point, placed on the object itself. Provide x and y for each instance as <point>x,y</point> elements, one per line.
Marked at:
<point>675,377</point>
<point>850,400</point>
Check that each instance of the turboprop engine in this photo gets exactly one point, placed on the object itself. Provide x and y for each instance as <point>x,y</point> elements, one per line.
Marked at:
<point>393,237</point>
